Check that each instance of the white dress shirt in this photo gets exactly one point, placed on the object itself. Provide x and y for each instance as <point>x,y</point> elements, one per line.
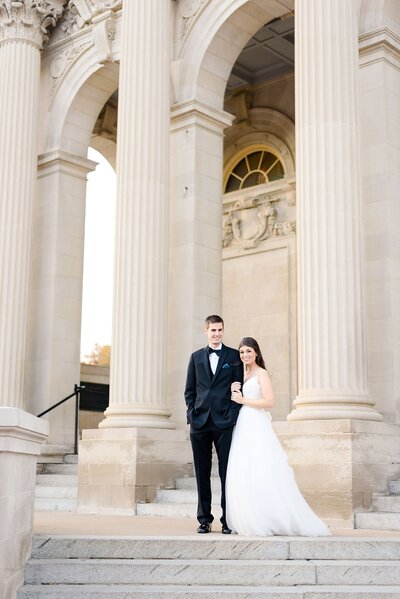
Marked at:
<point>214,358</point>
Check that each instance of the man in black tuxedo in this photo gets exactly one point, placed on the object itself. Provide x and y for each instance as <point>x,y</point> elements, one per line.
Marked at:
<point>211,414</point>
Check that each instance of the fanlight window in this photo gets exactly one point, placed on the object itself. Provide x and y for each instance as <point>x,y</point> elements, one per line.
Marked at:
<point>254,169</point>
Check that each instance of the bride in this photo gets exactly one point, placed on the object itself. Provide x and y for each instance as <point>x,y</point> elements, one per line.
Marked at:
<point>262,497</point>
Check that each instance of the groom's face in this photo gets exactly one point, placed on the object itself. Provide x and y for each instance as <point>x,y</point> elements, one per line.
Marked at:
<point>215,333</point>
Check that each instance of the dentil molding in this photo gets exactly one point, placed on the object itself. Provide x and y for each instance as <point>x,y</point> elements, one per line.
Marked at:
<point>29,20</point>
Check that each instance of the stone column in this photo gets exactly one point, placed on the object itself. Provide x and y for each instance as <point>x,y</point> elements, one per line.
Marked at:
<point>21,33</point>
<point>332,340</point>
<point>56,289</point>
<point>197,131</point>
<point>139,341</point>
<point>22,28</point>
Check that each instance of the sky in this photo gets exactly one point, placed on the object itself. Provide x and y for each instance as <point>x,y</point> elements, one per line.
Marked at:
<point>99,255</point>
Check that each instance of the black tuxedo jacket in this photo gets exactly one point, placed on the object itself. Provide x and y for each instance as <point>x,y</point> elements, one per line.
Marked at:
<point>207,394</point>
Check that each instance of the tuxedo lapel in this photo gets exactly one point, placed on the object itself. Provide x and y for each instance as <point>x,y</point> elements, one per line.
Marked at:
<point>206,362</point>
<point>221,361</point>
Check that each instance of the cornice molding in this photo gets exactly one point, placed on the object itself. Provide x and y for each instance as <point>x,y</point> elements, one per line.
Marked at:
<point>193,112</point>
<point>379,44</point>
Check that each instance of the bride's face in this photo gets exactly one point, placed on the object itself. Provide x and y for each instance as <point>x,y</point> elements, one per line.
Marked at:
<point>247,355</point>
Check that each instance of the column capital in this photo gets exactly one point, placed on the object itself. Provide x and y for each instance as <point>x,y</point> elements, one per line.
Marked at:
<point>28,20</point>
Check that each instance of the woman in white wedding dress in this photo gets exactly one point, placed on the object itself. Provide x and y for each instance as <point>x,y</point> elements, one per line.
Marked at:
<point>262,497</point>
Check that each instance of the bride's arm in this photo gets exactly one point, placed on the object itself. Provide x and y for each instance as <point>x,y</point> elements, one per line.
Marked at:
<point>268,397</point>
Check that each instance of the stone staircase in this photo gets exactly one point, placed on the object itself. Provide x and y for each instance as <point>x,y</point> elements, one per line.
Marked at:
<point>57,485</point>
<point>385,510</point>
<point>212,567</point>
<point>181,502</point>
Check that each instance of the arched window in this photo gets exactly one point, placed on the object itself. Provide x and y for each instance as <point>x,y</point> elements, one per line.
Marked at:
<point>256,168</point>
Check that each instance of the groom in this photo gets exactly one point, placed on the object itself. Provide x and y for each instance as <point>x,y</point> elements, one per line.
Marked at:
<point>211,414</point>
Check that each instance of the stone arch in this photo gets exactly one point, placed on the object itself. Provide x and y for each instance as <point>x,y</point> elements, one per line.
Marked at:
<point>78,101</point>
<point>266,126</point>
<point>216,39</point>
<point>80,89</point>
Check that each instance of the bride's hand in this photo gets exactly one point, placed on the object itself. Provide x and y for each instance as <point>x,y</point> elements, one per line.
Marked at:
<point>237,396</point>
<point>235,386</point>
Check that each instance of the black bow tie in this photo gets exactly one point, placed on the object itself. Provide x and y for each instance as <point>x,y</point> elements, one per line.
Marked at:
<point>213,351</point>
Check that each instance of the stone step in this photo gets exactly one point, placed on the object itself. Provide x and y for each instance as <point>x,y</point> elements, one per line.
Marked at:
<point>179,496</point>
<point>57,480</point>
<point>386,503</point>
<point>60,469</point>
<point>216,545</point>
<point>56,492</point>
<point>204,592</point>
<point>71,458</point>
<point>55,504</point>
<point>213,572</point>
<point>173,510</point>
<point>54,453</point>
<point>394,487</point>
<point>189,482</point>
<point>377,521</point>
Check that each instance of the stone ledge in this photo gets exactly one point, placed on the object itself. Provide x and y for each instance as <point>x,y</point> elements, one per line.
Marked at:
<point>21,432</point>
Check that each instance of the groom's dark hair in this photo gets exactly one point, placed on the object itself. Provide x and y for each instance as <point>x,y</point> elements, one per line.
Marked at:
<point>212,320</point>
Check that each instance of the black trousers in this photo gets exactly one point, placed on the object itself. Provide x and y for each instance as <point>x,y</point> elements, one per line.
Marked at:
<point>202,441</point>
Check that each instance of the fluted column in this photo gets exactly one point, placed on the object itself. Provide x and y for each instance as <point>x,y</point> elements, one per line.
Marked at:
<point>332,341</point>
<point>22,26</point>
<point>139,341</point>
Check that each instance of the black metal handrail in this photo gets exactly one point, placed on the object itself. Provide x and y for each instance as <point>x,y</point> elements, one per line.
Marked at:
<point>77,390</point>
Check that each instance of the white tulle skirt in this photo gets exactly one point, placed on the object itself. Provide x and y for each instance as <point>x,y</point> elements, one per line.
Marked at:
<point>262,497</point>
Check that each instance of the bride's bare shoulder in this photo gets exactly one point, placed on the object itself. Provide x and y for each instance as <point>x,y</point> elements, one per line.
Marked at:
<point>263,375</point>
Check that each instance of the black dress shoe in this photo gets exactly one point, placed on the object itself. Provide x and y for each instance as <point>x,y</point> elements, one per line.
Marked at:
<point>226,530</point>
<point>204,528</point>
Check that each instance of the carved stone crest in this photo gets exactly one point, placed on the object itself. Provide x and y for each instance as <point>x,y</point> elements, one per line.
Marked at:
<point>254,219</point>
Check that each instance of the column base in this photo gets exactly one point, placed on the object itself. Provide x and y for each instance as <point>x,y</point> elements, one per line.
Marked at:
<point>334,406</point>
<point>338,464</point>
<point>120,467</point>
<point>128,416</point>
<point>21,437</point>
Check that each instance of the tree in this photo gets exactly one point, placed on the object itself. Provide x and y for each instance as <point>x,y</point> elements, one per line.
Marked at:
<point>99,356</point>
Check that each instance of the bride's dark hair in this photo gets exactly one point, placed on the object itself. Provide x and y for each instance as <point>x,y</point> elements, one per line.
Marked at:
<point>250,342</point>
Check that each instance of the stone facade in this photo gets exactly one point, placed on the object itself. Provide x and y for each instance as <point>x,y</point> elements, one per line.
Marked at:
<point>313,256</point>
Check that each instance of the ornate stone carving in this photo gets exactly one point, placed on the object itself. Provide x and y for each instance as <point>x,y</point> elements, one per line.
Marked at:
<point>104,28</point>
<point>253,219</point>
<point>188,11</point>
<point>61,63</point>
<point>79,13</point>
<point>29,20</point>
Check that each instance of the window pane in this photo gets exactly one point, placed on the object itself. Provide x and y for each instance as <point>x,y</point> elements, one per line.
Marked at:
<point>276,172</point>
<point>241,169</point>
<point>232,184</point>
<point>267,160</point>
<point>254,160</point>
<point>254,178</point>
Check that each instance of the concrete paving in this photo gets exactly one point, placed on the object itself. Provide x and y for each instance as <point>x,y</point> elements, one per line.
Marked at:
<point>61,523</point>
